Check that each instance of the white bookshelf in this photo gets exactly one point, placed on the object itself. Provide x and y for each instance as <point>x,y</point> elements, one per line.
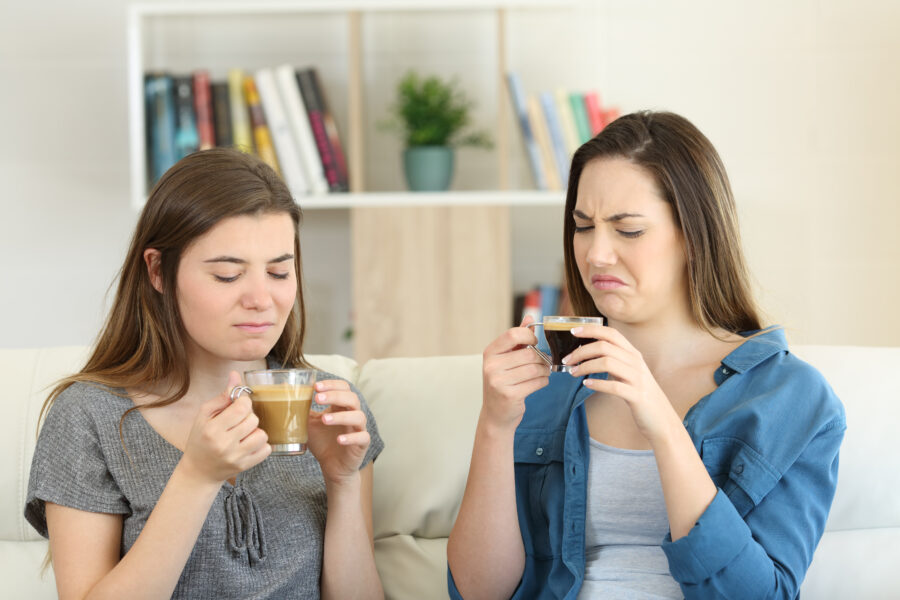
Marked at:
<point>150,46</point>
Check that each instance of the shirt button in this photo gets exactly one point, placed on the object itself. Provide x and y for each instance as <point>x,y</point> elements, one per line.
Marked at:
<point>539,451</point>
<point>725,371</point>
<point>739,468</point>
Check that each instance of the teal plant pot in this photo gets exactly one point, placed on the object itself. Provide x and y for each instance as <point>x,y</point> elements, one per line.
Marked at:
<point>428,168</point>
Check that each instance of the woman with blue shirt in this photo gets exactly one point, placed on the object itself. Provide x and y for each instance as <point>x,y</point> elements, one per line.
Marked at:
<point>689,453</point>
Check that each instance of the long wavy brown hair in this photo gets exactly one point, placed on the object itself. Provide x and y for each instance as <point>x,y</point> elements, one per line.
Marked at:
<point>692,179</point>
<point>143,340</point>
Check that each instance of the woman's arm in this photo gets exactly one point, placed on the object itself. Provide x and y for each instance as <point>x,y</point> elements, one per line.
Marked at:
<point>85,546</point>
<point>485,552</point>
<point>348,565</point>
<point>224,440</point>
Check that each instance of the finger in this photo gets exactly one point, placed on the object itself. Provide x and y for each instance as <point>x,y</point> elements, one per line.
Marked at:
<point>231,415</point>
<point>531,386</point>
<point>246,427</point>
<point>214,406</point>
<point>596,350</point>
<point>343,399</point>
<point>348,418</point>
<point>522,374</point>
<point>609,386</point>
<point>606,364</point>
<point>527,320</point>
<point>511,339</point>
<point>255,440</point>
<point>513,360</point>
<point>331,384</point>
<point>357,438</point>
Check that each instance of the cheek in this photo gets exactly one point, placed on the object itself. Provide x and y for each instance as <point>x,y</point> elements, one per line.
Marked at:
<point>580,248</point>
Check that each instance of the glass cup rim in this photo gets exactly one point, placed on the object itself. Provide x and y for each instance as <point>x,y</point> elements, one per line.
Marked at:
<point>299,370</point>
<point>568,319</point>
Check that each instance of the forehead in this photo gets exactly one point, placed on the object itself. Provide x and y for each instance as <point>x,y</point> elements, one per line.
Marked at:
<point>247,233</point>
<point>616,185</point>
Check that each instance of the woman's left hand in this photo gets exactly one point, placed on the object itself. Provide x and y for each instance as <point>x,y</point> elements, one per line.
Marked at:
<point>337,436</point>
<point>629,378</point>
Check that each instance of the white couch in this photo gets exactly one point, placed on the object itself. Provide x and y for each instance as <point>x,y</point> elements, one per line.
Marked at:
<point>426,410</point>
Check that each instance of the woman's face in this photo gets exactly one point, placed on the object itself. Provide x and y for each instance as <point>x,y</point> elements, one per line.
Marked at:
<point>236,286</point>
<point>629,251</point>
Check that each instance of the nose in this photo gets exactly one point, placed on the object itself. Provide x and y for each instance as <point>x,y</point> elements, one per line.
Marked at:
<point>601,252</point>
<point>256,294</point>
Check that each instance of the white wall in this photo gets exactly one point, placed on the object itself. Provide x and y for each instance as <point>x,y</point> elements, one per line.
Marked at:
<point>799,97</point>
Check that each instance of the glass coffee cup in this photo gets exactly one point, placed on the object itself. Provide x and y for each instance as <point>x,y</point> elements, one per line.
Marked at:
<point>281,399</point>
<point>558,331</point>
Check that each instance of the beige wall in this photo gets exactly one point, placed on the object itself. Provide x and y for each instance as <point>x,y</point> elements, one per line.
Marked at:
<point>800,98</point>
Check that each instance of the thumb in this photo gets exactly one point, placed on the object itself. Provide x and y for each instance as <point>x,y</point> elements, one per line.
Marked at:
<point>527,319</point>
<point>220,402</point>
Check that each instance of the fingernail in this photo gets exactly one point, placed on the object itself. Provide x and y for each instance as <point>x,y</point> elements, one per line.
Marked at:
<point>319,385</point>
<point>320,398</point>
<point>577,330</point>
<point>327,418</point>
<point>587,382</point>
<point>341,439</point>
<point>573,371</point>
<point>566,359</point>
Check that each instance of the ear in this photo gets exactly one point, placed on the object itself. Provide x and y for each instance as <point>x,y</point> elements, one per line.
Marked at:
<point>153,257</point>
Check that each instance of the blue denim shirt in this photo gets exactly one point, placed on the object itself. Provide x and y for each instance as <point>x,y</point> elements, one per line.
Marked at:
<point>769,436</point>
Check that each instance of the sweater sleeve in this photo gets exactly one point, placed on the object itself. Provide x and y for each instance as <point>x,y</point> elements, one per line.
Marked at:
<point>764,553</point>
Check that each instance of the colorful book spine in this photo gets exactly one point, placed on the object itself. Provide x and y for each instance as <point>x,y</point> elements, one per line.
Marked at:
<point>576,101</point>
<point>222,114</point>
<point>556,137</point>
<point>280,129</point>
<point>610,115</point>
<point>317,125</point>
<point>242,136</point>
<point>542,137</point>
<point>261,135</point>
<point>514,85</point>
<point>331,129</point>
<point>159,99</point>
<point>567,122</point>
<point>594,111</point>
<point>186,138</point>
<point>286,79</point>
<point>204,110</point>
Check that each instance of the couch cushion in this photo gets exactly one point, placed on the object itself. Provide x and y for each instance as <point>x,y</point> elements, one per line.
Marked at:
<point>426,410</point>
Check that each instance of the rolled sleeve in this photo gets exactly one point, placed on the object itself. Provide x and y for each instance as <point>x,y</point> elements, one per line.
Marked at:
<point>713,543</point>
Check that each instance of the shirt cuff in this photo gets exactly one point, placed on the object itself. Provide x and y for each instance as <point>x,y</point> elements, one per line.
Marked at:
<point>717,538</point>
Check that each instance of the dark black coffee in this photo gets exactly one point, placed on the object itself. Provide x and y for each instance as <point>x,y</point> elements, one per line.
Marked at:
<point>561,341</point>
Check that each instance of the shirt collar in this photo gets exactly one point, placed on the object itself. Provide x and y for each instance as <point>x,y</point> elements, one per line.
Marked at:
<point>763,344</point>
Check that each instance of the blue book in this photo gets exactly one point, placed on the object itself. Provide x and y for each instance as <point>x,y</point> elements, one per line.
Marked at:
<point>187,139</point>
<point>531,147</point>
<point>160,121</point>
<point>556,136</point>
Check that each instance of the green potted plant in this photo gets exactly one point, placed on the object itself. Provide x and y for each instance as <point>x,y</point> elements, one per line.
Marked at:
<point>432,114</point>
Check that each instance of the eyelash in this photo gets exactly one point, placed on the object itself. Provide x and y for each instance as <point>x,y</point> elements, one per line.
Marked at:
<point>627,234</point>
<point>281,276</point>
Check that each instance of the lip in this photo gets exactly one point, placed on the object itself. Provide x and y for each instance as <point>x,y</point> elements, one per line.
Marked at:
<point>254,327</point>
<point>606,282</point>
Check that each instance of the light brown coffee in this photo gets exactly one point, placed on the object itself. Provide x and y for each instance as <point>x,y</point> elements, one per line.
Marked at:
<point>283,410</point>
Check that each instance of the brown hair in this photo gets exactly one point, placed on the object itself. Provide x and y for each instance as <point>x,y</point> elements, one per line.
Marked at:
<point>691,177</point>
<point>143,340</point>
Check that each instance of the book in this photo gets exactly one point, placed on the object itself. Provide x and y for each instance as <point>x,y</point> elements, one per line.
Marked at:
<point>576,101</point>
<point>542,137</point>
<point>280,130</point>
<point>567,122</point>
<point>514,85</point>
<point>317,125</point>
<point>286,79</point>
<point>242,137</point>
<point>331,130</point>
<point>203,110</point>
<point>610,115</point>
<point>186,138</point>
<point>556,136</point>
<point>159,98</point>
<point>221,113</point>
<point>594,111</point>
<point>262,138</point>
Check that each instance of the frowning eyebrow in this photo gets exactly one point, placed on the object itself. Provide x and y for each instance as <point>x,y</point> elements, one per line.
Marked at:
<point>613,218</point>
<point>241,261</point>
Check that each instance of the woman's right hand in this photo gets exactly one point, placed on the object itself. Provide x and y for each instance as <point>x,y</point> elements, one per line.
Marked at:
<point>511,371</point>
<point>225,438</point>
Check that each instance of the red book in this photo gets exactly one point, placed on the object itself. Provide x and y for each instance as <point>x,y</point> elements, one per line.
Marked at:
<point>204,110</point>
<point>594,112</point>
<point>610,115</point>
<point>316,113</point>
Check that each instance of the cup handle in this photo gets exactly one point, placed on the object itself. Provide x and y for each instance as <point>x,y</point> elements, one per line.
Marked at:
<point>237,390</point>
<point>540,353</point>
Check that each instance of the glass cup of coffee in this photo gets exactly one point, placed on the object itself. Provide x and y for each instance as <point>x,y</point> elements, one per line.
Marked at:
<point>282,399</point>
<point>558,331</point>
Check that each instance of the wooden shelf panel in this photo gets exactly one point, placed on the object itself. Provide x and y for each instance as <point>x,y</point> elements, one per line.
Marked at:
<point>422,199</point>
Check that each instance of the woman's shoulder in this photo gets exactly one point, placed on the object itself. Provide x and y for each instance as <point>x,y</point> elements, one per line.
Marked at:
<point>87,400</point>
<point>799,386</point>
